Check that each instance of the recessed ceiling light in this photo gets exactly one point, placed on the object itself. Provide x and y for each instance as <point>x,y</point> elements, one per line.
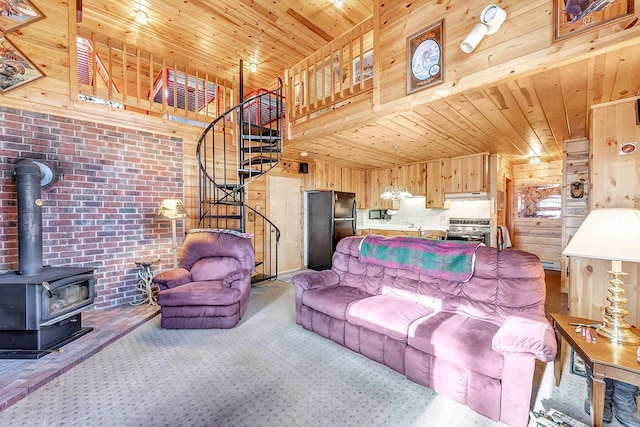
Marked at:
<point>142,17</point>
<point>534,160</point>
<point>304,153</point>
<point>338,3</point>
<point>253,67</point>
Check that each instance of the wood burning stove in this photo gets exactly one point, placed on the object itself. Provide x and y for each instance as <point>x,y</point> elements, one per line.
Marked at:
<point>40,307</point>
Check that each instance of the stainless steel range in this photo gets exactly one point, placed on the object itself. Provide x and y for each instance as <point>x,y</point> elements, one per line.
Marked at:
<point>470,229</point>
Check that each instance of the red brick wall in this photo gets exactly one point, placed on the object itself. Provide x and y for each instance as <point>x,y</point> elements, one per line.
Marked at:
<point>101,211</point>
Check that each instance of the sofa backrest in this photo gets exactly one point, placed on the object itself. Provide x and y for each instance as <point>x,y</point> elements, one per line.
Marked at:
<point>503,282</point>
<point>212,254</point>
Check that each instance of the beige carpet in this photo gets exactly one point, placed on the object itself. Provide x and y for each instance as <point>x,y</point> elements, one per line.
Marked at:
<point>267,371</point>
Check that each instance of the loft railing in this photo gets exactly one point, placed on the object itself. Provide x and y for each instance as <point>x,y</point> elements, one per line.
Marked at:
<point>332,74</point>
<point>120,73</point>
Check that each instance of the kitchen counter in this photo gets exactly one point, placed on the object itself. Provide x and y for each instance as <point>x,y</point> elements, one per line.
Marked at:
<point>396,230</point>
<point>397,227</point>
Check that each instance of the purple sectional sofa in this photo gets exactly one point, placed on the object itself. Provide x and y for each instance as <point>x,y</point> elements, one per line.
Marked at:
<point>475,341</point>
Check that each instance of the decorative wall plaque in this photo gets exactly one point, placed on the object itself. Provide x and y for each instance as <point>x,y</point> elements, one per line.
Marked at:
<point>425,57</point>
<point>577,16</point>
<point>17,13</point>
<point>15,69</point>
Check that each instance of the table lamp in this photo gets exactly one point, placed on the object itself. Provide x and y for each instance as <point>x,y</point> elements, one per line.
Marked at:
<point>613,234</point>
<point>172,209</point>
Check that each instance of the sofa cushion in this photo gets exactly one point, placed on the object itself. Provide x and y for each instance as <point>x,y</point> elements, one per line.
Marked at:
<point>213,268</point>
<point>199,293</point>
<point>459,339</point>
<point>386,314</point>
<point>333,300</point>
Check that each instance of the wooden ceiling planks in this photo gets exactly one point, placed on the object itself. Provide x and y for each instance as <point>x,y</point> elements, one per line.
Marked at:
<point>515,118</point>
<point>273,34</point>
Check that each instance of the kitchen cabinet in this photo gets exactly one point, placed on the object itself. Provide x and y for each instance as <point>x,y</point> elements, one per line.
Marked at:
<point>455,175</point>
<point>327,176</point>
<point>465,174</point>
<point>378,180</point>
<point>412,177</point>
<point>355,181</point>
<point>434,196</point>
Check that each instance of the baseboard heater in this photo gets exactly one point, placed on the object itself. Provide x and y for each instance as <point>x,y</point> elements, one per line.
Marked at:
<point>549,265</point>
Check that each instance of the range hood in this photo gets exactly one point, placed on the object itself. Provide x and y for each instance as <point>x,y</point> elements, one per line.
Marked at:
<point>476,195</point>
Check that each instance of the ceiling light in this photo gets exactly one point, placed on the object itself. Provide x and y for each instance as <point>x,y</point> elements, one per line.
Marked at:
<point>492,16</point>
<point>253,67</point>
<point>304,154</point>
<point>534,160</point>
<point>142,17</point>
<point>338,3</point>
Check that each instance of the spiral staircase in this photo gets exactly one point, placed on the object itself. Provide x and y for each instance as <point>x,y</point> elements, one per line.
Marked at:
<point>238,147</point>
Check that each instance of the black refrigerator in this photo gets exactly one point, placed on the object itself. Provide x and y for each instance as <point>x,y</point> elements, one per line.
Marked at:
<point>330,216</point>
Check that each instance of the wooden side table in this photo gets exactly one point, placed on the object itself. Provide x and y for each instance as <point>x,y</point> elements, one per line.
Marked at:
<point>145,279</point>
<point>606,360</point>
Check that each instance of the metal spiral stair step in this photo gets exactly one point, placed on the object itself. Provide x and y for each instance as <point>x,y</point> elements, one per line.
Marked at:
<point>259,160</point>
<point>267,148</point>
<point>209,216</point>
<point>254,129</point>
<point>247,173</point>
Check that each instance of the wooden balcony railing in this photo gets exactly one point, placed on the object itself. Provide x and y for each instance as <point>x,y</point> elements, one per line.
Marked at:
<point>332,74</point>
<point>114,71</point>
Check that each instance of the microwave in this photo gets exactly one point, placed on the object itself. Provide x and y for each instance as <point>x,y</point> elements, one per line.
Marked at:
<point>378,214</point>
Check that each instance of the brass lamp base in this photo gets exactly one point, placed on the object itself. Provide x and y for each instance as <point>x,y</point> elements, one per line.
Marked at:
<point>614,327</point>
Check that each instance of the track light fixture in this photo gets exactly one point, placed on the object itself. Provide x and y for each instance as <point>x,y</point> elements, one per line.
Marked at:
<point>491,18</point>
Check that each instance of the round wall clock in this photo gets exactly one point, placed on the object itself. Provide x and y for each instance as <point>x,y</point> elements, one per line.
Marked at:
<point>425,61</point>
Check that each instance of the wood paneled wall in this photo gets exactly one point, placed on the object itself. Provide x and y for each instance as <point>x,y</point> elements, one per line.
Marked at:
<point>522,44</point>
<point>541,236</point>
<point>615,182</point>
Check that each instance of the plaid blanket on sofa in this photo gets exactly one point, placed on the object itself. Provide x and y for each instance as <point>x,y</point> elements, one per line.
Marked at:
<point>443,259</point>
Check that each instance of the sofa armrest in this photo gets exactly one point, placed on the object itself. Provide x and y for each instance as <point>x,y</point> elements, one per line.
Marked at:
<point>315,279</point>
<point>235,276</point>
<point>527,334</point>
<point>172,278</point>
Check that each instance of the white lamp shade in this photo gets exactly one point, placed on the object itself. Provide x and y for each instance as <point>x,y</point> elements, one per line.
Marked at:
<point>172,209</point>
<point>610,233</point>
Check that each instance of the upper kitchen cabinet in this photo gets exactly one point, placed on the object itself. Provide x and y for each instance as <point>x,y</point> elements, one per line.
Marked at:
<point>434,189</point>
<point>378,180</point>
<point>412,177</point>
<point>465,174</point>
<point>355,181</point>
<point>455,175</point>
<point>329,176</point>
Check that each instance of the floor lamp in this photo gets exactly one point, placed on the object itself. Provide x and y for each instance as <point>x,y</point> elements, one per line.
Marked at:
<point>173,209</point>
<point>611,234</point>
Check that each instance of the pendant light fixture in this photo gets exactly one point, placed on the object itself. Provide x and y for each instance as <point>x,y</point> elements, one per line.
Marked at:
<point>397,192</point>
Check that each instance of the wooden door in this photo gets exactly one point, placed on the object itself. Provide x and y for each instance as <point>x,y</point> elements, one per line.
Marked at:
<point>285,211</point>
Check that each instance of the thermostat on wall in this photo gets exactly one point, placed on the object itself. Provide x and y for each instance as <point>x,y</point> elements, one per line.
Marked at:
<point>628,148</point>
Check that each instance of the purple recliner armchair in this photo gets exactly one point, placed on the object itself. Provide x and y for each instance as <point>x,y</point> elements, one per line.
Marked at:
<point>211,286</point>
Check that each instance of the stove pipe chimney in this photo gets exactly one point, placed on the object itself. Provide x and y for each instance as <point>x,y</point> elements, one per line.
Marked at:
<point>28,175</point>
